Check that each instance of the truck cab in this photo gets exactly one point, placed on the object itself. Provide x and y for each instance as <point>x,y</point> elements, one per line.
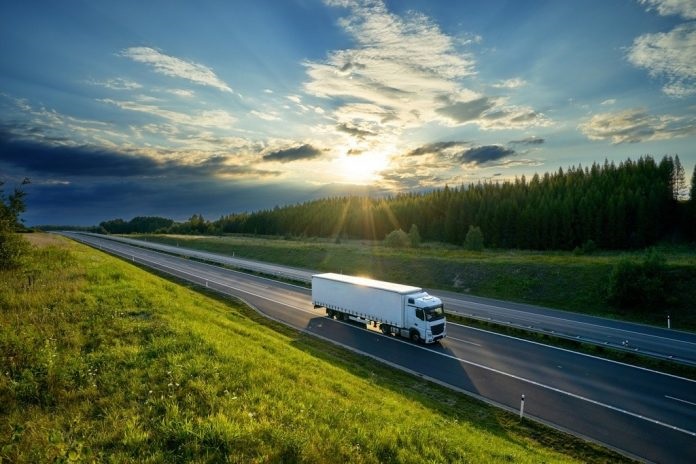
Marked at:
<point>425,317</point>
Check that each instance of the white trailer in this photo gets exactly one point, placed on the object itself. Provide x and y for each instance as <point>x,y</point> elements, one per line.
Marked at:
<point>397,309</point>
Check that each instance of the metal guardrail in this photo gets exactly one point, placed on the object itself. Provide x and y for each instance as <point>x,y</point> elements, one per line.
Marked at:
<point>284,272</point>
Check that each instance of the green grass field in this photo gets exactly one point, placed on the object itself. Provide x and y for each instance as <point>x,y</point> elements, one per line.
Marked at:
<point>555,279</point>
<point>103,361</point>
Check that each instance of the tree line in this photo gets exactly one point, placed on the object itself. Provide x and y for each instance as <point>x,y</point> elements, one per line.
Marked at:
<point>630,205</point>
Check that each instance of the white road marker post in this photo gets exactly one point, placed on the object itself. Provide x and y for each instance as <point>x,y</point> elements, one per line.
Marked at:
<point>522,407</point>
<point>669,323</point>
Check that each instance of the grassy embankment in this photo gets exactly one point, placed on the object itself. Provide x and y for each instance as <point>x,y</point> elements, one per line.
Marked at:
<point>555,279</point>
<point>101,360</point>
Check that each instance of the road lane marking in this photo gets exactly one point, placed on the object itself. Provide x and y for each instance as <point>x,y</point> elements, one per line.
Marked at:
<point>680,400</point>
<point>464,361</point>
<point>463,341</point>
<point>578,353</point>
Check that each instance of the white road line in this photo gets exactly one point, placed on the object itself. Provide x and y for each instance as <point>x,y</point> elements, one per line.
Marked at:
<point>680,400</point>
<point>539,384</point>
<point>463,341</point>
<point>578,353</point>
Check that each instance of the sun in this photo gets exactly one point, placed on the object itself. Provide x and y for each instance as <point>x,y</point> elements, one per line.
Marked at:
<point>363,168</point>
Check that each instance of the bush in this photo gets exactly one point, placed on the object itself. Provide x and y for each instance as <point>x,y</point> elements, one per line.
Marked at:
<point>587,248</point>
<point>638,285</point>
<point>397,239</point>
<point>12,248</point>
<point>474,239</point>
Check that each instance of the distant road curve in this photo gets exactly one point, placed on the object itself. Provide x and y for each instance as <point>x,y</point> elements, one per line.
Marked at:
<point>647,340</point>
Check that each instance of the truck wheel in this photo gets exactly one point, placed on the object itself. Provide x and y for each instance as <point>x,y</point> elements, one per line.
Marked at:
<point>384,328</point>
<point>415,336</point>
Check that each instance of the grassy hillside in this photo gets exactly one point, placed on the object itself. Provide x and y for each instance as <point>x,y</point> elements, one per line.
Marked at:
<point>100,360</point>
<point>555,279</point>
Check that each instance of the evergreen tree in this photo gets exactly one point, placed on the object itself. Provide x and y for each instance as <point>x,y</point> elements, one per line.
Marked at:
<point>414,236</point>
<point>474,239</point>
<point>680,186</point>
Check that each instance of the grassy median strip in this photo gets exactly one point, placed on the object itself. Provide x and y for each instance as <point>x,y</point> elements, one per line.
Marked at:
<point>101,360</point>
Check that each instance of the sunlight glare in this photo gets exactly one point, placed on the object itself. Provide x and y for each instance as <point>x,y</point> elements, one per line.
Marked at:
<point>363,168</point>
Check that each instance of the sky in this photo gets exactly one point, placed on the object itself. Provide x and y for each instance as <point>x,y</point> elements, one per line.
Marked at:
<point>173,108</point>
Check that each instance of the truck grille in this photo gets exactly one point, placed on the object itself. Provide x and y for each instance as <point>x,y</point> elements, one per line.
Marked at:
<point>437,329</point>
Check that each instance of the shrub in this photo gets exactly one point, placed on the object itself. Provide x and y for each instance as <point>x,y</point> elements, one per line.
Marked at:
<point>638,285</point>
<point>397,239</point>
<point>474,239</point>
<point>12,248</point>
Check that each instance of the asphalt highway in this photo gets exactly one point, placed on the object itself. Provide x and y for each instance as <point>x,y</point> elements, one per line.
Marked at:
<point>658,342</point>
<point>642,413</point>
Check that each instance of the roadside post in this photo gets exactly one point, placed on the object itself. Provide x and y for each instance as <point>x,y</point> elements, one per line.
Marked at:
<point>522,407</point>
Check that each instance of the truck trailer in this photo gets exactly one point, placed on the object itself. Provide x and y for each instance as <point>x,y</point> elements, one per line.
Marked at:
<point>396,309</point>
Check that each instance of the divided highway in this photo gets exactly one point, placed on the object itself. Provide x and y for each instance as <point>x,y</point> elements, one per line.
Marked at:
<point>647,340</point>
<point>645,414</point>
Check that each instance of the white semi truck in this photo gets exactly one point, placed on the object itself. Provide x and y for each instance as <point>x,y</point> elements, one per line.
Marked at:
<point>396,309</point>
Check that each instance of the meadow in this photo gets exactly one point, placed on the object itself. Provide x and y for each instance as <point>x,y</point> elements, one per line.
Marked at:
<point>556,279</point>
<point>103,361</point>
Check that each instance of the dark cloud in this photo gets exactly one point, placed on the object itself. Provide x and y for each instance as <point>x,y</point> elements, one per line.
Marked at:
<point>286,155</point>
<point>64,160</point>
<point>462,112</point>
<point>486,154</point>
<point>85,161</point>
<point>351,65</point>
<point>354,131</point>
<point>435,148</point>
<point>528,141</point>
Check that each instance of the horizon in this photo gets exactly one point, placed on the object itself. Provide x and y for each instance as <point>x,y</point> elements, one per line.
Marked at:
<point>125,110</point>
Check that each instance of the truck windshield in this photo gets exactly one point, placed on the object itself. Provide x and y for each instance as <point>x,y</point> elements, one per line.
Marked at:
<point>434,313</point>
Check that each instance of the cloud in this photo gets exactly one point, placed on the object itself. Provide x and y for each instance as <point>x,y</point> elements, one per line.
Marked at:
<point>399,64</point>
<point>72,161</point>
<point>636,125</point>
<point>485,154</point>
<point>118,83</point>
<point>436,148</point>
<point>354,131</point>
<point>176,67</point>
<point>268,116</point>
<point>608,102</point>
<point>684,8</point>
<point>287,155</point>
<point>466,111</point>
<point>670,56</point>
<point>405,72</point>
<point>201,118</point>
<point>514,83</point>
<point>528,141</point>
<point>181,93</point>
<point>96,162</point>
